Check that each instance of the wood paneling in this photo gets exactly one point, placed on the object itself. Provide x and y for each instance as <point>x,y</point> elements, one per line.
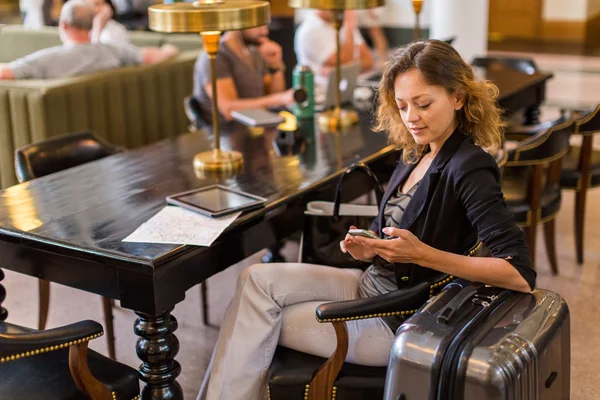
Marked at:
<point>515,19</point>
<point>563,31</point>
<point>280,8</point>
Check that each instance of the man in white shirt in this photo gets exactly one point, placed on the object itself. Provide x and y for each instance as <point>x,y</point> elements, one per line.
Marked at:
<point>106,29</point>
<point>314,43</point>
<point>369,20</point>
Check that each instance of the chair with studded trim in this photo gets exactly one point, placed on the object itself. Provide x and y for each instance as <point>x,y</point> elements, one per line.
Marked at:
<point>53,155</point>
<point>531,182</point>
<point>296,375</point>
<point>581,169</point>
<point>56,364</point>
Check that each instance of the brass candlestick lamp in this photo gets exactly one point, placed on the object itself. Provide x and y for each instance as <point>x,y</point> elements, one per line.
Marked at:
<point>210,18</point>
<point>417,6</point>
<point>336,119</point>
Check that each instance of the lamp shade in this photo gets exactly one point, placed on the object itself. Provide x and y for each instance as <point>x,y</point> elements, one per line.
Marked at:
<point>208,16</point>
<point>336,4</point>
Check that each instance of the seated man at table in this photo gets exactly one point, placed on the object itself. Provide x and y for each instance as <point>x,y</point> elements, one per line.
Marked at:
<point>77,55</point>
<point>314,43</point>
<point>249,72</point>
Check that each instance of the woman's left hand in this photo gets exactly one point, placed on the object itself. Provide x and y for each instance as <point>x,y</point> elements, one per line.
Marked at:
<point>404,248</point>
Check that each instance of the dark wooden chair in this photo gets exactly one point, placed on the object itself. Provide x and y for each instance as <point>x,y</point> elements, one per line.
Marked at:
<point>295,375</point>
<point>57,365</point>
<point>531,182</point>
<point>581,170</point>
<point>53,155</point>
<point>193,113</point>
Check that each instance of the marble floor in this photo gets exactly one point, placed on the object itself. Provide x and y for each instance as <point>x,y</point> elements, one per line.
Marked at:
<point>576,82</point>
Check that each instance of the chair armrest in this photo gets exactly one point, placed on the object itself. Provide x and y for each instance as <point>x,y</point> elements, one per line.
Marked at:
<point>17,342</point>
<point>398,302</point>
<point>520,132</point>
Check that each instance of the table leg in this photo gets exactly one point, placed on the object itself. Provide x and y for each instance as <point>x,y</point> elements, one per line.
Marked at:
<point>3,312</point>
<point>157,348</point>
<point>532,115</point>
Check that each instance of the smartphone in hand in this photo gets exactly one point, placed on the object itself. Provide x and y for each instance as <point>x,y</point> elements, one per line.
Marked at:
<point>363,233</point>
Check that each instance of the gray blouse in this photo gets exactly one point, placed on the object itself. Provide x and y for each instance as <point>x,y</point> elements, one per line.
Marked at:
<point>381,279</point>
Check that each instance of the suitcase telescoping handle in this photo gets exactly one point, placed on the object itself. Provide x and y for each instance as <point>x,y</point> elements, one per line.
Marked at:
<point>445,314</point>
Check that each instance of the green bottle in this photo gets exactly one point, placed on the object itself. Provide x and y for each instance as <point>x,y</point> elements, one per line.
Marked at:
<point>303,81</point>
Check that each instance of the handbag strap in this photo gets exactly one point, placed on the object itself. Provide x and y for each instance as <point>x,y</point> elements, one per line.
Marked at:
<point>356,167</point>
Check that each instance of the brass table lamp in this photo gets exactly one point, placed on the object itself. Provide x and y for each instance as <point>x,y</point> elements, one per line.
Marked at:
<point>417,6</point>
<point>210,18</point>
<point>335,119</point>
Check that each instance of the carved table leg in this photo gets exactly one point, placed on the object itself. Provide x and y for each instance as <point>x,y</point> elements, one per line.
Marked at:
<point>157,348</point>
<point>532,116</point>
<point>3,312</point>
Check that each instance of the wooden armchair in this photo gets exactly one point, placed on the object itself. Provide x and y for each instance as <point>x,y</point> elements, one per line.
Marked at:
<point>531,183</point>
<point>581,169</point>
<point>52,155</point>
<point>56,365</point>
<point>295,375</point>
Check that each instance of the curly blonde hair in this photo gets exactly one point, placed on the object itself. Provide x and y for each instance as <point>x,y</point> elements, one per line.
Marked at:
<point>440,65</point>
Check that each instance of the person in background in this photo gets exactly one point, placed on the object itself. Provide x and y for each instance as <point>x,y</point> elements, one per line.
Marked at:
<point>369,21</point>
<point>314,42</point>
<point>78,55</point>
<point>249,74</point>
<point>105,29</point>
<point>36,13</point>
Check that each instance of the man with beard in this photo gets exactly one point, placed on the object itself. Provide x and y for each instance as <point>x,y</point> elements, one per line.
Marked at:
<point>250,74</point>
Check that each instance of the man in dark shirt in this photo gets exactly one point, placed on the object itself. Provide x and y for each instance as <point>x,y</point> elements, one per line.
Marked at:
<point>250,74</point>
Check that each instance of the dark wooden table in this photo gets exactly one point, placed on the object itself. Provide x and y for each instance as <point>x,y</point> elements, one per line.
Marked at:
<point>519,91</point>
<point>68,227</point>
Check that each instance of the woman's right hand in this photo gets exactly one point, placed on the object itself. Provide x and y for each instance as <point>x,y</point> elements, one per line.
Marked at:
<point>356,250</point>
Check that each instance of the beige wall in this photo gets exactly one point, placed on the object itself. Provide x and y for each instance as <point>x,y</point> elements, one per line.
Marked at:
<point>570,10</point>
<point>593,8</point>
<point>565,10</point>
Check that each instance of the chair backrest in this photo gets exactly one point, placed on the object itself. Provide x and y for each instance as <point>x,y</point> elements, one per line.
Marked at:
<point>588,122</point>
<point>547,145</point>
<point>58,153</point>
<point>450,40</point>
<point>193,112</point>
<point>526,65</point>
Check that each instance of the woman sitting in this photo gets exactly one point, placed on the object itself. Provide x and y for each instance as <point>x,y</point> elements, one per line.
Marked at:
<point>443,198</point>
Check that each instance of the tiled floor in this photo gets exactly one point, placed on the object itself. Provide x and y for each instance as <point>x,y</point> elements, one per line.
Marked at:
<point>576,83</point>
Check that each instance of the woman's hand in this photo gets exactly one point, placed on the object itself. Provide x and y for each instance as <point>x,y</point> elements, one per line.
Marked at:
<point>405,248</point>
<point>355,249</point>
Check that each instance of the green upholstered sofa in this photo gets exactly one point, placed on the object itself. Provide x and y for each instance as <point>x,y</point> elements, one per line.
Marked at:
<point>131,106</point>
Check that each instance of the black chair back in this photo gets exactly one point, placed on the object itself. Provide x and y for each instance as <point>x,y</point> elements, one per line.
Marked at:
<point>548,145</point>
<point>194,113</point>
<point>526,65</point>
<point>588,123</point>
<point>58,153</point>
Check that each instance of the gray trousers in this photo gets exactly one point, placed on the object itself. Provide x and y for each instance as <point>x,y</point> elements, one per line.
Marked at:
<point>275,304</point>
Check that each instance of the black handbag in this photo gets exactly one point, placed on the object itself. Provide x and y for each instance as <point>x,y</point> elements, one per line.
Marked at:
<point>327,223</point>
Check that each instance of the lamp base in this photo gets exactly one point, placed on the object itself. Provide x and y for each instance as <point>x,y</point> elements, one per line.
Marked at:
<point>329,121</point>
<point>219,161</point>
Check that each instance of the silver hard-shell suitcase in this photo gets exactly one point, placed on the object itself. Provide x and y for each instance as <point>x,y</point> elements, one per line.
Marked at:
<point>474,342</point>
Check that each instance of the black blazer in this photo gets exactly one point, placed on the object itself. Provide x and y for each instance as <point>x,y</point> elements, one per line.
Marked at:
<point>458,203</point>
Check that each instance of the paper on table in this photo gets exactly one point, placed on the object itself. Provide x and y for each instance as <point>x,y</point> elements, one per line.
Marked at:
<point>176,225</point>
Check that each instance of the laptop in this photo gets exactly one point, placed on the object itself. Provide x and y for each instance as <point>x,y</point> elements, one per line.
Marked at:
<point>371,78</point>
<point>349,76</point>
